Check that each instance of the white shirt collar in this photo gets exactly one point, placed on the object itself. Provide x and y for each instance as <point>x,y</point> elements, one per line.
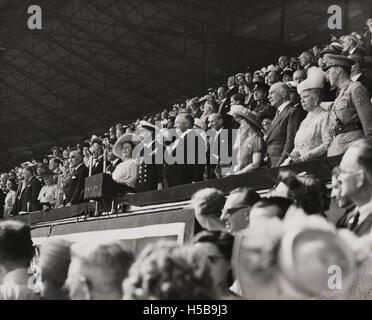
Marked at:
<point>283,106</point>
<point>356,77</point>
<point>352,50</point>
<point>364,211</point>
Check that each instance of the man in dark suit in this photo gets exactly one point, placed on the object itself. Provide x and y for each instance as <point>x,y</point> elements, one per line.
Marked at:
<point>306,61</point>
<point>280,136</point>
<point>26,200</point>
<point>356,184</point>
<point>185,157</point>
<point>220,146</point>
<point>74,190</point>
<point>112,159</point>
<point>97,152</point>
<point>350,46</point>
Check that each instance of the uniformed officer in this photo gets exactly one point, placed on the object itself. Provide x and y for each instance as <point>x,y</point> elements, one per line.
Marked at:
<point>261,105</point>
<point>351,114</point>
<point>150,175</point>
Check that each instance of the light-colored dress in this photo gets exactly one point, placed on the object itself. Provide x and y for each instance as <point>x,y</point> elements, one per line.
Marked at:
<point>9,203</point>
<point>313,136</point>
<point>48,194</point>
<point>247,146</point>
<point>126,172</point>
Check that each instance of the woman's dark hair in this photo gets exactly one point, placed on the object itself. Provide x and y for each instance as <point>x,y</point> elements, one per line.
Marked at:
<point>13,184</point>
<point>307,192</point>
<point>222,240</point>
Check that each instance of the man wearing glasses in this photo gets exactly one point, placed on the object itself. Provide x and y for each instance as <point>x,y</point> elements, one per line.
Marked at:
<point>235,213</point>
<point>355,176</point>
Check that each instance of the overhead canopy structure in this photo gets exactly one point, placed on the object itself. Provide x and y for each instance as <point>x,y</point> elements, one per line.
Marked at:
<point>99,62</point>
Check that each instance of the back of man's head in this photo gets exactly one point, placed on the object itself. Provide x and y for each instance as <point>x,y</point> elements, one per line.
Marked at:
<point>101,267</point>
<point>16,247</point>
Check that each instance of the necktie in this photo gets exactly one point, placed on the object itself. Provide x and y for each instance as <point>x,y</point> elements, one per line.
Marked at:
<point>353,225</point>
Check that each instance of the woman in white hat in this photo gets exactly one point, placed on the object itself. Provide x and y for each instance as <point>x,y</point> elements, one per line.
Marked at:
<point>126,172</point>
<point>250,145</point>
<point>314,134</point>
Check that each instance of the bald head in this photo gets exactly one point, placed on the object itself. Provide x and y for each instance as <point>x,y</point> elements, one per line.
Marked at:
<point>76,158</point>
<point>215,121</point>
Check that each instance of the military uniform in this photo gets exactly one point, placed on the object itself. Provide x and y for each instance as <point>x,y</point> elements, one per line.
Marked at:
<point>351,113</point>
<point>351,116</point>
<point>264,110</point>
<point>149,174</point>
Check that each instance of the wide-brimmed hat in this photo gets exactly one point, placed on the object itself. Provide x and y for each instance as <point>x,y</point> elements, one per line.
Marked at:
<point>147,125</point>
<point>127,137</point>
<point>250,116</point>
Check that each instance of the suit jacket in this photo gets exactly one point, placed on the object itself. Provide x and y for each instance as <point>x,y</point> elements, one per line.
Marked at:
<point>185,170</point>
<point>28,195</point>
<point>74,189</point>
<point>111,167</point>
<point>365,227</point>
<point>98,167</point>
<point>280,136</point>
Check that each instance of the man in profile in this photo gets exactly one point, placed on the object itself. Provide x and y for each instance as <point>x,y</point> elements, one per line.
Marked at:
<point>355,177</point>
<point>97,270</point>
<point>75,187</point>
<point>16,252</point>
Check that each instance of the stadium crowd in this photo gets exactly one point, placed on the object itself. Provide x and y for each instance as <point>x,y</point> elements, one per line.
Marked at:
<point>281,246</point>
<point>296,110</point>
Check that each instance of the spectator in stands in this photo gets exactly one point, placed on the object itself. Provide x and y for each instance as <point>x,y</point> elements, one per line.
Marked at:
<point>3,192</point>
<point>112,158</point>
<point>48,193</point>
<point>208,204</point>
<point>280,137</point>
<point>307,192</point>
<point>299,76</point>
<point>86,154</point>
<point>240,78</point>
<point>348,217</point>
<point>368,38</point>
<point>63,179</point>
<point>54,164</point>
<point>210,107</point>
<point>119,130</point>
<point>127,171</point>
<point>10,198</point>
<point>182,158</point>
<point>306,61</point>
<point>97,270</point>
<point>352,109</point>
<point>248,94</point>
<point>236,210</point>
<point>316,52</point>
<point>224,101</point>
<point>166,271</point>
<point>112,133</point>
<point>53,263</point>
<point>267,208</point>
<point>273,77</point>
<point>356,184</point>
<point>248,76</point>
<point>287,75</point>
<point>16,252</point>
<point>237,99</point>
<point>295,99</point>
<point>261,105</point>
<point>217,247</point>
<point>28,193</point>
<point>97,153</point>
<point>350,45</point>
<point>313,136</point>
<point>149,158</point>
<point>74,187</point>
<point>357,72</point>
<point>250,145</point>
<point>283,63</point>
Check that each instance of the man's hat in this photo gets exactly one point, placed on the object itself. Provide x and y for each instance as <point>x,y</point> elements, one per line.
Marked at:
<point>261,86</point>
<point>333,60</point>
<point>127,137</point>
